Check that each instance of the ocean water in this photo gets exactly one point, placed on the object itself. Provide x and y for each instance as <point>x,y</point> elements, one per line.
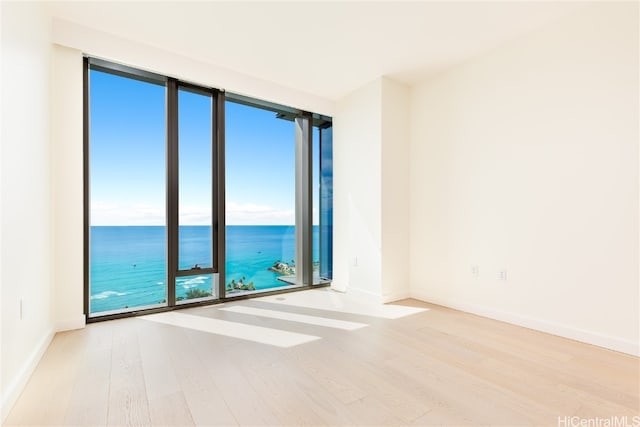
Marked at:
<point>128,263</point>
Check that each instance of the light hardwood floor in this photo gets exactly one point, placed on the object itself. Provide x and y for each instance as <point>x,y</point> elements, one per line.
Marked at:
<point>323,358</point>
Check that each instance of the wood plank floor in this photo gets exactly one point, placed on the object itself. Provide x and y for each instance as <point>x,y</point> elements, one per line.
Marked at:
<point>322,358</point>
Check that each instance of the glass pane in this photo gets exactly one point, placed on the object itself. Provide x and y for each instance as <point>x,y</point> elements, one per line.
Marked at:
<point>195,181</point>
<point>260,200</point>
<point>315,182</point>
<point>127,194</point>
<point>326,204</point>
<point>202,286</point>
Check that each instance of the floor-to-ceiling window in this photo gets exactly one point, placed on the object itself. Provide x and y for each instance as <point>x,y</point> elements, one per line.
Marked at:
<point>194,195</point>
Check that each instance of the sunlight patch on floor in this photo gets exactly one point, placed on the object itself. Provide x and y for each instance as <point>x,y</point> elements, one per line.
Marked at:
<point>226,328</point>
<point>327,299</point>
<point>298,318</point>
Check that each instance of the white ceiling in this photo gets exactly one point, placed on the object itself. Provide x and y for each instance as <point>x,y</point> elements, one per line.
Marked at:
<point>324,48</point>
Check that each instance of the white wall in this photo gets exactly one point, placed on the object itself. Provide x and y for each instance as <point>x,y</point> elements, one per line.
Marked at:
<point>371,191</point>
<point>395,191</point>
<point>357,199</point>
<point>114,48</point>
<point>67,188</point>
<point>2,393</point>
<point>526,160</point>
<point>25,195</point>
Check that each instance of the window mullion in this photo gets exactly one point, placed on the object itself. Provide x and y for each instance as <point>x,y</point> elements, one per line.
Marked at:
<point>219,206</point>
<point>172,189</point>
<point>304,208</point>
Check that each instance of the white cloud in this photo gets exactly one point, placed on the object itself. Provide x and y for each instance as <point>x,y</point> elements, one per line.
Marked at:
<point>109,213</point>
<point>252,214</point>
<point>195,215</point>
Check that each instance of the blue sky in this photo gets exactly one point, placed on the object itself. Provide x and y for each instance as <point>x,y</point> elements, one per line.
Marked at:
<point>127,165</point>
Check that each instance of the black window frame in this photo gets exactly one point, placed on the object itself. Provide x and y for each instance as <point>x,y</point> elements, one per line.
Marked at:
<point>219,96</point>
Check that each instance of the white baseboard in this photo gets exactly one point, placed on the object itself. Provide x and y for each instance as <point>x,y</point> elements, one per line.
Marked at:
<point>566,331</point>
<point>78,322</point>
<point>17,384</point>
<point>396,296</point>
<point>377,298</point>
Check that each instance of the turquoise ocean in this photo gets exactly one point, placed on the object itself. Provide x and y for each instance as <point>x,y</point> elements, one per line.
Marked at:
<point>128,263</point>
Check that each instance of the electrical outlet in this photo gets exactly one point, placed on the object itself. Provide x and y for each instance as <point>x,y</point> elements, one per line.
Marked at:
<point>502,275</point>
<point>475,271</point>
<point>21,313</point>
<point>355,261</point>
